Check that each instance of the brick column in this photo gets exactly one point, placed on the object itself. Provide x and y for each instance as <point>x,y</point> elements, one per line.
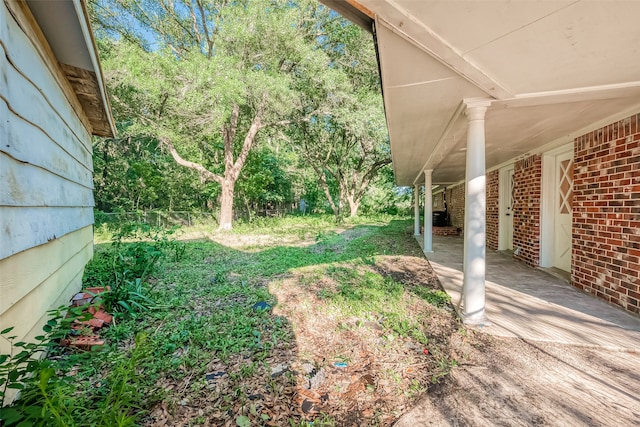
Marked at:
<point>527,192</point>
<point>493,209</point>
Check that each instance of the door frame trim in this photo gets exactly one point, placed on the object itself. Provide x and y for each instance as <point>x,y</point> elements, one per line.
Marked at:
<point>502,196</point>
<point>547,204</point>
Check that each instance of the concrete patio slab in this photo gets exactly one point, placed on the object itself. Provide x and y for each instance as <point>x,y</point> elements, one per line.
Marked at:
<point>531,304</point>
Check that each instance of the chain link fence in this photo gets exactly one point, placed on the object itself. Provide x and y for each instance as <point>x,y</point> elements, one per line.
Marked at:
<point>182,218</point>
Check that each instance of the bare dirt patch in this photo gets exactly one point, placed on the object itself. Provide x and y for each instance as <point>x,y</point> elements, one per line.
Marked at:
<point>256,242</point>
<point>511,382</point>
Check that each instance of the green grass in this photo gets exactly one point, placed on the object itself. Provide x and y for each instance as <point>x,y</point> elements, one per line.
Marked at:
<point>204,316</point>
<point>370,295</point>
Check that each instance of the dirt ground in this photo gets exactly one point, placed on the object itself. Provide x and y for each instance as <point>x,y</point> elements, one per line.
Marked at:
<point>510,382</point>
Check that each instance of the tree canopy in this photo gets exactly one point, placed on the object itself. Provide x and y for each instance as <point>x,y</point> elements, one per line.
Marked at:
<point>211,80</point>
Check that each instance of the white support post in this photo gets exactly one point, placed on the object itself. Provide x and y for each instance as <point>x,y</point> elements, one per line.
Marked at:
<point>428,212</point>
<point>416,210</point>
<point>475,215</point>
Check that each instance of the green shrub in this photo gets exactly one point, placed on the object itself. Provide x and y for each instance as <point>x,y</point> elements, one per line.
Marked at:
<point>126,265</point>
<point>49,395</point>
<point>44,388</point>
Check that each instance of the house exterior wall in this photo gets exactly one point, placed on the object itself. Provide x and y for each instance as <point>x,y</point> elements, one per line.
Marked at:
<point>46,196</point>
<point>526,210</point>
<point>455,205</point>
<point>606,213</point>
<point>438,202</point>
<point>493,209</point>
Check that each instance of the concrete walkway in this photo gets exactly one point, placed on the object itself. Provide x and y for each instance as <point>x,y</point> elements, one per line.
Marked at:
<point>576,364</point>
<point>531,304</point>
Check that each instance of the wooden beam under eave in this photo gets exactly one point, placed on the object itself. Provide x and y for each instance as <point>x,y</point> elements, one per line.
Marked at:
<point>85,85</point>
<point>353,11</point>
<point>361,8</point>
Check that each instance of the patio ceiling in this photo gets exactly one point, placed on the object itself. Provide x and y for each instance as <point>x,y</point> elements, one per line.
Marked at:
<point>551,69</point>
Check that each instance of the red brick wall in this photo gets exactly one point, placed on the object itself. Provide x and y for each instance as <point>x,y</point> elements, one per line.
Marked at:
<point>493,206</point>
<point>606,213</point>
<point>527,176</point>
<point>455,205</point>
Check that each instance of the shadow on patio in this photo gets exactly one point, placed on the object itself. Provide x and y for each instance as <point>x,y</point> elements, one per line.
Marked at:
<point>530,304</point>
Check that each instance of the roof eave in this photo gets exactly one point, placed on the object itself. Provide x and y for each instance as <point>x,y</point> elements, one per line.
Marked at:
<point>68,32</point>
<point>83,18</point>
<point>353,11</point>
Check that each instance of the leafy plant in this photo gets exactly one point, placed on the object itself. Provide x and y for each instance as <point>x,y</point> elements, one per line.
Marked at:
<point>435,297</point>
<point>36,377</point>
<point>49,395</point>
<point>128,296</point>
<point>404,327</point>
<point>138,258</point>
<point>121,404</point>
<point>134,252</point>
<point>128,262</point>
<point>444,365</point>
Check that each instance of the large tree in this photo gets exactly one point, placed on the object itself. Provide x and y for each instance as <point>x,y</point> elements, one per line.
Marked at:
<point>206,77</point>
<point>348,150</point>
<point>347,144</point>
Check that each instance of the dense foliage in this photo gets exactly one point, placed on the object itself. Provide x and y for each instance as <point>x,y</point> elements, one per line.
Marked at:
<point>253,102</point>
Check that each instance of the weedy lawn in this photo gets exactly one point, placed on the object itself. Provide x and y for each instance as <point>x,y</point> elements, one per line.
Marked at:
<point>283,322</point>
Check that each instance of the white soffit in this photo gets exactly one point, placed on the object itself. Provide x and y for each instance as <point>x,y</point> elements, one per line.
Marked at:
<point>551,68</point>
<point>514,132</point>
<point>560,45</point>
<point>60,23</point>
<point>418,97</point>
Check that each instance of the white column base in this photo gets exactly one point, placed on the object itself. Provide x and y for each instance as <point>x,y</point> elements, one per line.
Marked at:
<point>480,320</point>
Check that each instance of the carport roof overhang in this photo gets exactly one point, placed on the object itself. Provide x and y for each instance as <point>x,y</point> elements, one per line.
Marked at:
<point>552,70</point>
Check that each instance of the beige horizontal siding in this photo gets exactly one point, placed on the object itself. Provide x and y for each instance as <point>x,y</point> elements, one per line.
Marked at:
<point>28,185</point>
<point>66,158</point>
<point>45,156</point>
<point>25,56</point>
<point>29,102</point>
<point>46,197</point>
<point>23,272</point>
<point>40,279</point>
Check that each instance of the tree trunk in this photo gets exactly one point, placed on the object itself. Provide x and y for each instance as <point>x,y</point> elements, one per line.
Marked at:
<point>354,204</point>
<point>246,204</point>
<point>231,169</point>
<point>325,188</point>
<point>350,195</point>
<point>226,205</point>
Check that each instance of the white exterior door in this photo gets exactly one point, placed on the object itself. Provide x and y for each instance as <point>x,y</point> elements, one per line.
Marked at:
<point>506,208</point>
<point>563,210</point>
